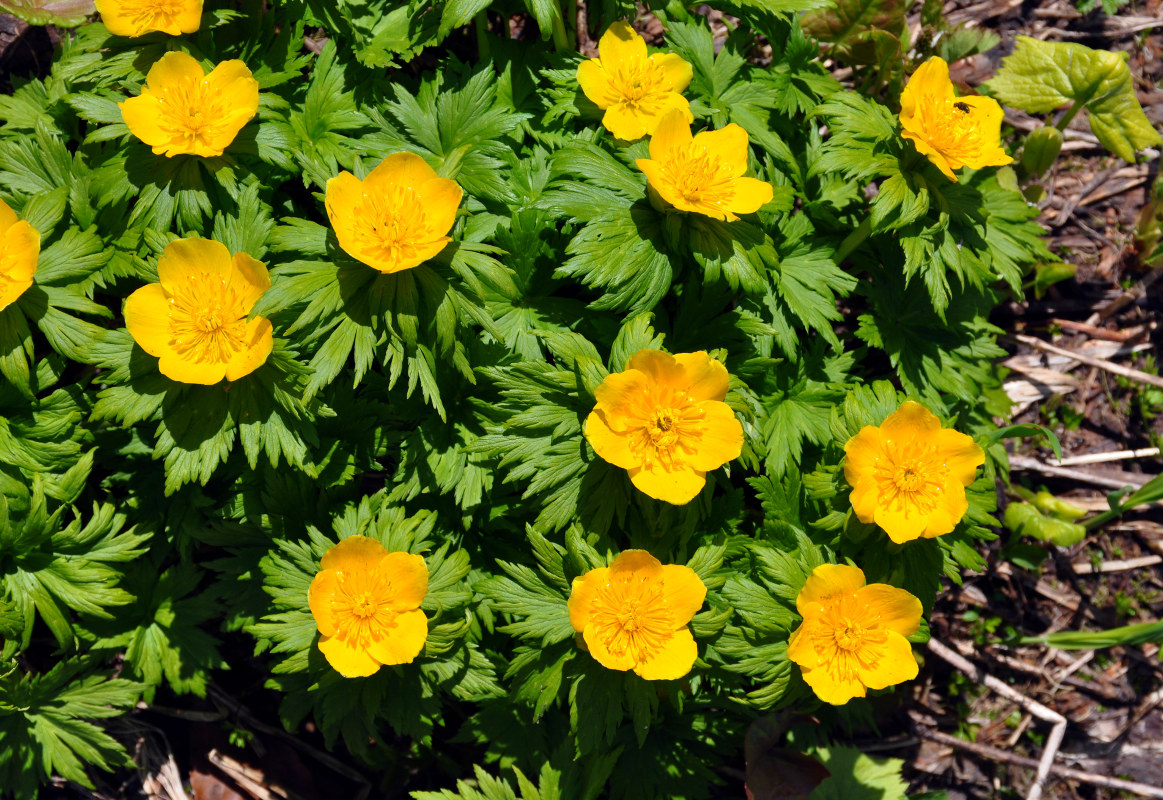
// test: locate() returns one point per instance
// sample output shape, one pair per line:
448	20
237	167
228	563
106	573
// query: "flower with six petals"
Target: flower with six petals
953	132
19	251
853	636
703	173
139	17
195	319
664	420
909	474
633	614
635	89
397	217
366	602
183	110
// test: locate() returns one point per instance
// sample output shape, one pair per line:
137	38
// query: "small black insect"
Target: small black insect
962	107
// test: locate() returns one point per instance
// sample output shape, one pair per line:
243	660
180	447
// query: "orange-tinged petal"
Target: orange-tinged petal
610	446
894	663
834	688
659	367
621	45
799	645
936	156
891	608
677	71
677	486
408	575
602	653
751	194
862	451
441	199
636	561
910	421
185	257
347	658
827	581
355	554
729	145
399	170
673	135
864	499
720	439
582	594
619	392
672	661
340	198
322	593
258	341
173	67
684	592
706	377
147	318
625	122
403	642
595	83
902	524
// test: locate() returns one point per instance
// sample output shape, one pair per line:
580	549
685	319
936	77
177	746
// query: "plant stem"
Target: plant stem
481	23
560	37
1070	114
854	240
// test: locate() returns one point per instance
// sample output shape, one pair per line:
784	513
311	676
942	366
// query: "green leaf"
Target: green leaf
61	13
1041	76
856	776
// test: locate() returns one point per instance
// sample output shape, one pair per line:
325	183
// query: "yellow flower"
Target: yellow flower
635	89
397	217
139	17
853	636
182	110
366	602
665	421
703	173
953	132
633	614
909	475
194	320
19	251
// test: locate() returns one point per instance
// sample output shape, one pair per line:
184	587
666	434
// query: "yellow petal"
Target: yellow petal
951	507
440	198
173	68
672	661
340	198
640	562
249	278
799	645
706	377
678	72
720	439
620	45
595	82
658	367
864	498
408	576
901	524
399	170
147	318
729	145
890	608
626	122
8	217
233	80
938	158
176	368
620	392
894	663
258	341
142	115
960	454
610	446
677	487
346	658
683	591
582	594
827	581
355	554
424	252
602	654
321	596
910	421
185	257
660	180
21	249
929	84
672	136
751	195
189	19
404	641
834	688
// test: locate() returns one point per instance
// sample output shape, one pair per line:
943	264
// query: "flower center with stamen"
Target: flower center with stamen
911	478
153	13
207	319
392	225
190	113
630	617
850	636
639	86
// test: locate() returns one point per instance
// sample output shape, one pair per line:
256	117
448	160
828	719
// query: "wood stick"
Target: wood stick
1032	465
1126	372
1067	773
1114	455
1087	568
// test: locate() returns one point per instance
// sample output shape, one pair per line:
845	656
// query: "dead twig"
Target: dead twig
1126	372
1057	732
1087	568
1067	773
1082	476
1113	455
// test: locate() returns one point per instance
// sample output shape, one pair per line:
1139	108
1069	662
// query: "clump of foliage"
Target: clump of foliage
439	406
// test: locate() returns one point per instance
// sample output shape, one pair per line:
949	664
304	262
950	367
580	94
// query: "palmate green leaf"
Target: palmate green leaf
328	115
620	251
1041	76
845	23
856	776
486	787
540	611
46	728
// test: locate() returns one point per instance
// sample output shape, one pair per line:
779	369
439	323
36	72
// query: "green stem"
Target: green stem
1101	519
560	37
854	240
1070	114
481	23
572	6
